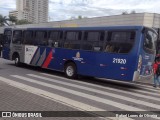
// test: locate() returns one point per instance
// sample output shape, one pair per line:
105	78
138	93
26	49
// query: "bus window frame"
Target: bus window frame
31	42
8	37
92	45
19	37
109	48
43	41
74	44
147	50
57	43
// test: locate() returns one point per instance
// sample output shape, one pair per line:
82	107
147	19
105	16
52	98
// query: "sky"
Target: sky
67	9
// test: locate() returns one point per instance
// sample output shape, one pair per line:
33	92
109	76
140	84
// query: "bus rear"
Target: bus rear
144	72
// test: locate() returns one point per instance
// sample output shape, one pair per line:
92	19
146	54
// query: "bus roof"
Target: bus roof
81	28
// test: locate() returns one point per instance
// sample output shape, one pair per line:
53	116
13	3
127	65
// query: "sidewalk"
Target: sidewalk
14	99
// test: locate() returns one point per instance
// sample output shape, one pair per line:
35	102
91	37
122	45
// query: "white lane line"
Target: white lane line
131	83
140	102
91	97
107	88
52	96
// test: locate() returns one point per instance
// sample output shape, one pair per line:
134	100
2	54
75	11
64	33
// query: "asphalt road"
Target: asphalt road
30	88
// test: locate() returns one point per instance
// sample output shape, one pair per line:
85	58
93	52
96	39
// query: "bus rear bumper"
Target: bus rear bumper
136	76
143	79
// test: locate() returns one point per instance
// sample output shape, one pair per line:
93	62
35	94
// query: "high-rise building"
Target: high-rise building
38	10
34	11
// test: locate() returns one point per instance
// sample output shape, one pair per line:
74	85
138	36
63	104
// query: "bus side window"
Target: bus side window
72	39
54	39
120	41
93	40
40	38
17	37
28	37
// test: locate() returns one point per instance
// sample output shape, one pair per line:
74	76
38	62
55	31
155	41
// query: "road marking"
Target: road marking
91	97
57	98
107	88
140	102
52	96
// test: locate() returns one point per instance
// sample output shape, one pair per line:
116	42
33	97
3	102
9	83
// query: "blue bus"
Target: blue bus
123	53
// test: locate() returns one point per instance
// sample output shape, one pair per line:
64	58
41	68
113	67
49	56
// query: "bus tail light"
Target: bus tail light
123	68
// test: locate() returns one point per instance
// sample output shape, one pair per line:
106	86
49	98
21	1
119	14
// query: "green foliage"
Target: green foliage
13	19
21	22
3	20
133	12
126	13
79	17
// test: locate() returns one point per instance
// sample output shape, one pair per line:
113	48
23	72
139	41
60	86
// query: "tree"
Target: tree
12	19
21	22
133	12
3	20
79	17
124	13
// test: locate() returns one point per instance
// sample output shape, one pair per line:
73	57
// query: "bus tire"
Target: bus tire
70	70
17	61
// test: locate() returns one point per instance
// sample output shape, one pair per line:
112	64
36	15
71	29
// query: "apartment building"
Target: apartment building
34	11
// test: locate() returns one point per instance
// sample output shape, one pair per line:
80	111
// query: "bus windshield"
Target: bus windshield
7	37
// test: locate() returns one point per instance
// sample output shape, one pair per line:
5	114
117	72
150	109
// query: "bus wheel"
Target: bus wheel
70	70
17	61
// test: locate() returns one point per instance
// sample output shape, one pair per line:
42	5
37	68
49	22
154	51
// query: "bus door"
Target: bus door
6	44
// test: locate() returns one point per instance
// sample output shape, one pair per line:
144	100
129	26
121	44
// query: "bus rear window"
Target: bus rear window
120	41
